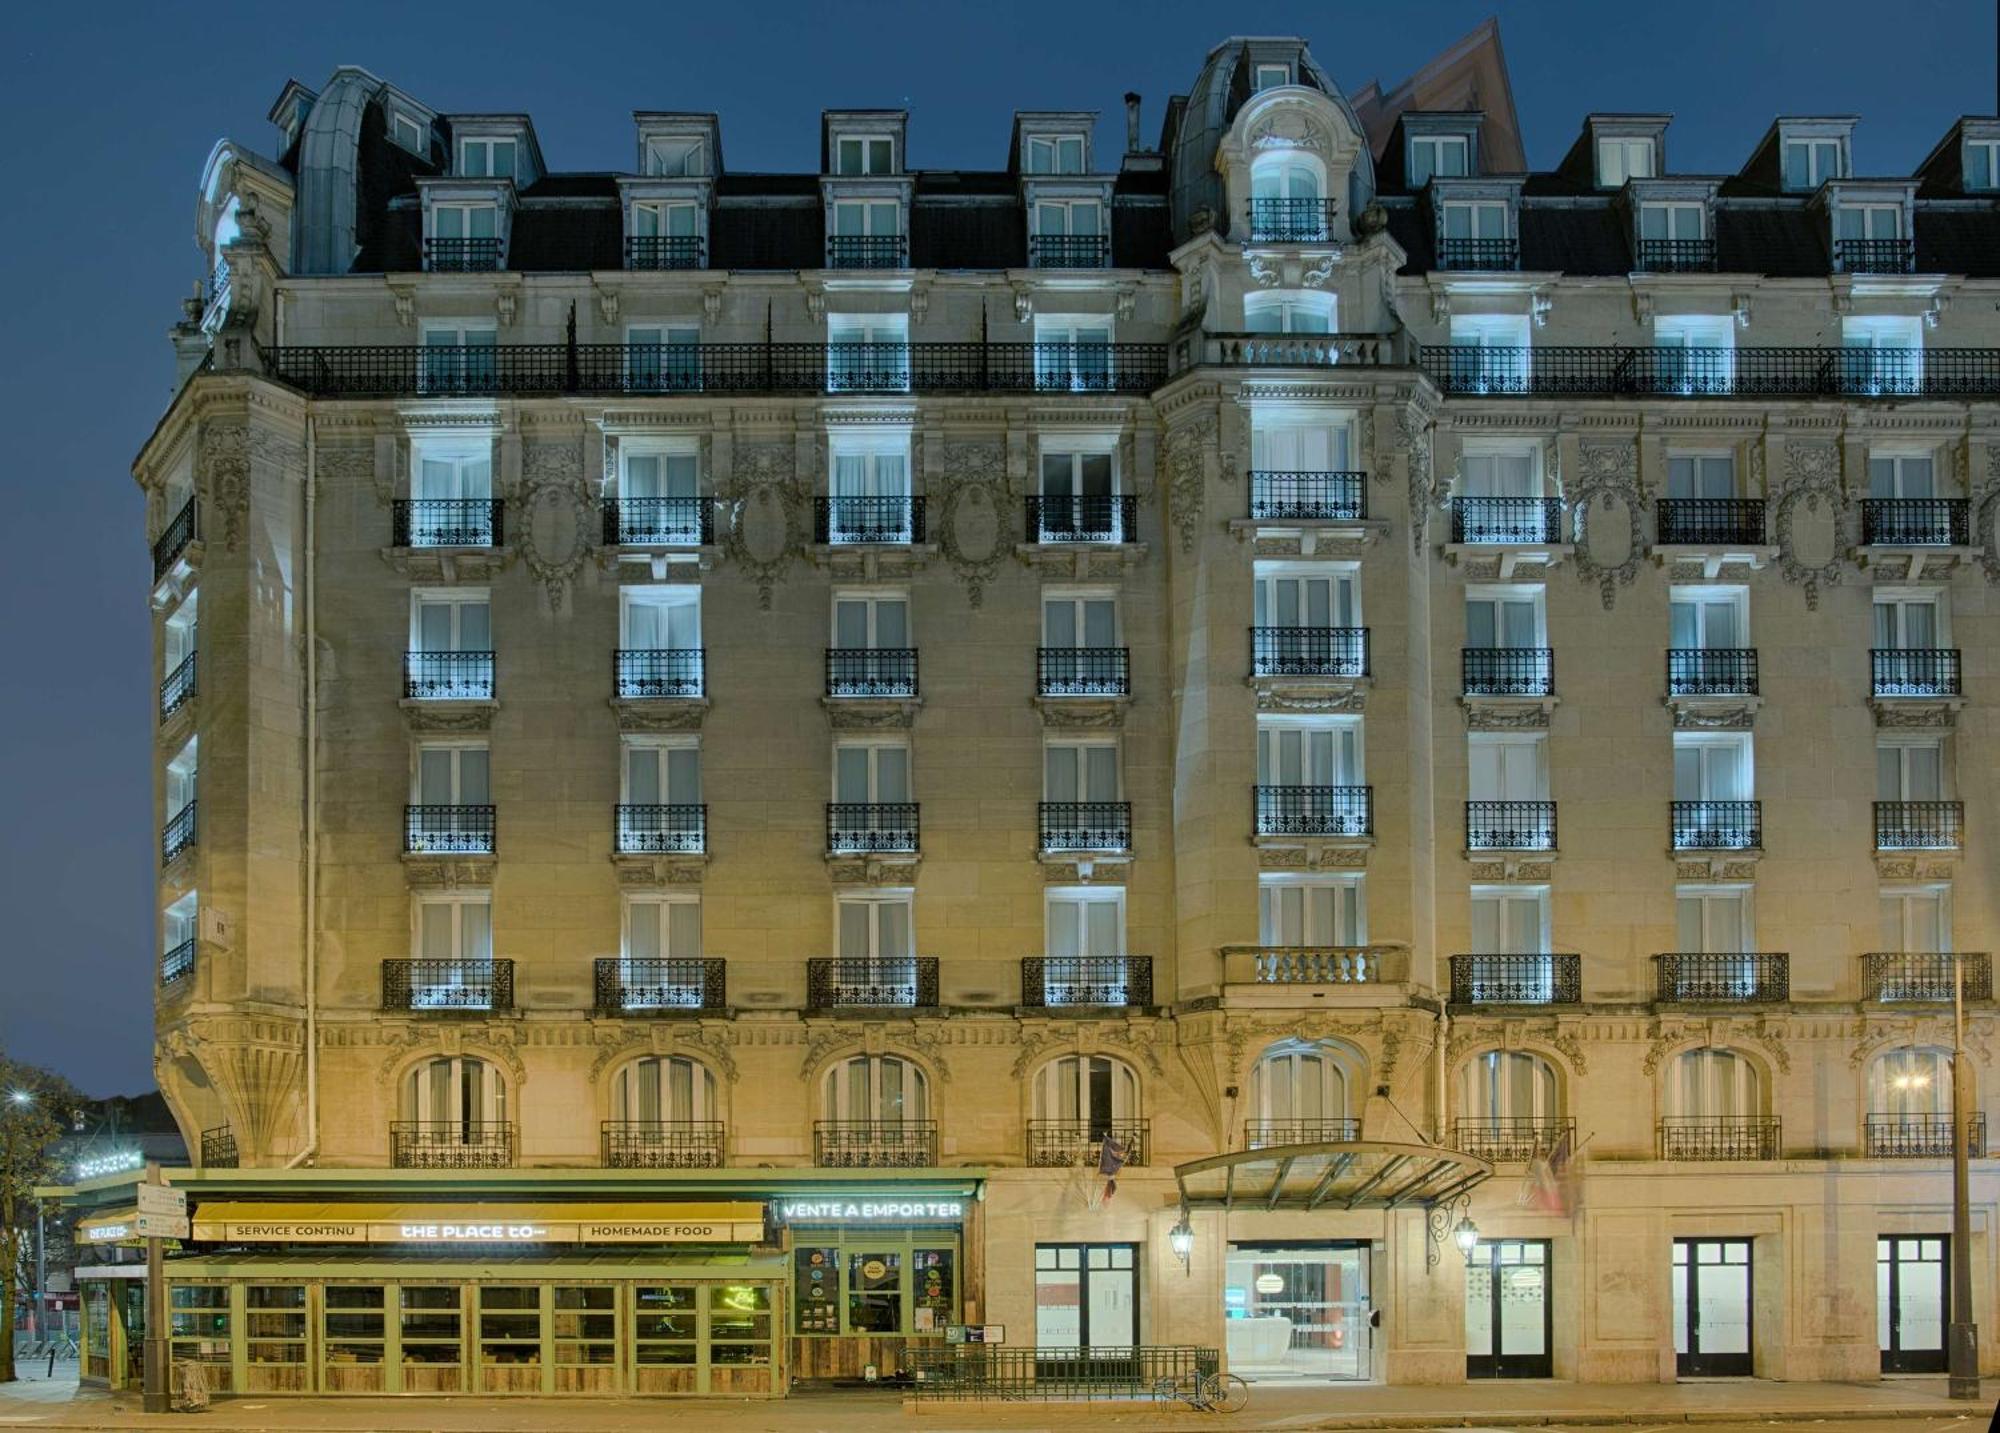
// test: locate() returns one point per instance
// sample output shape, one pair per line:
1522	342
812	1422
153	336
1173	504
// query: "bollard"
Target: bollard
52	1360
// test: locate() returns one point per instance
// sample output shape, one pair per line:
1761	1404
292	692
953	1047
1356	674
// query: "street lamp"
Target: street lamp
1180	1239
1466	1236
22	1097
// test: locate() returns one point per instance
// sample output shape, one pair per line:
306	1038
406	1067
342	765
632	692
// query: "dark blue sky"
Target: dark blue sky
110	110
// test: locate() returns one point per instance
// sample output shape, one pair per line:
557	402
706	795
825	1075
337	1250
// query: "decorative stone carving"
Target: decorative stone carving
1812	477
349	464
1414	437
1264	271
1290	127
768	514
1986	513
972	513
1186	466
1735	716
222	462
1515	716
557	516
1276	697
1607	478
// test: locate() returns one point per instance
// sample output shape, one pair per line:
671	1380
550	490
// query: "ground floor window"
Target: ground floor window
1912	1302
96	1330
889	1283
1086	1295
1507	1316
1297	1311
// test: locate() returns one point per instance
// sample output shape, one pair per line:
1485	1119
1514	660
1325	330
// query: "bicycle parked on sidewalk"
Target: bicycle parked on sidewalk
1205	1392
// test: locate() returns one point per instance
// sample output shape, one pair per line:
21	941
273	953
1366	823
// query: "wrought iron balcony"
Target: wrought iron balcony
1916	522
1508	671
448	676
1058	1144
1711	522
1263	1134
1610	371
1717	825
659	673
173	540
1307	964
875	1144
1700	978
1288	496
1921	1136
1292	221
661	1144
1315	810
1712	671
1516	979
215	288
218	1148
1925	977
666	251
462	256
659	522
443	987
1083	672
452	1144
178	834
1694	1137
1919	825
1070	981
1309	652
178	962
447	522
1914	672
860	826
677	829
178	687
1293	350
1510	825
1069	251
885	982
1085	825
1506	522
660	985
868	520
800	369
1511	1139
1478	256
1104	517
867	251
448	830
871	672
1676	256
1875	256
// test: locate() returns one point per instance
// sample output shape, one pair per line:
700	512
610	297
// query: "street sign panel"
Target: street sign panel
162	1226
160	1199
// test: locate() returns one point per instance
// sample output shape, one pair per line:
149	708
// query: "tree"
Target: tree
32	1105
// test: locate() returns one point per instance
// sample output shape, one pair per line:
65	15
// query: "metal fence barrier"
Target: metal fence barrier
975	1372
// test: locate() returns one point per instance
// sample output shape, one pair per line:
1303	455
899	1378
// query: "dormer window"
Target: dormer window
666	234
408	134
1809	163
1982	165
486	158
1069	234
864	154
1446	155
1869	239
464	238
676	159
1624	158
1673	238
1053	154
1271	77
867	234
1475	236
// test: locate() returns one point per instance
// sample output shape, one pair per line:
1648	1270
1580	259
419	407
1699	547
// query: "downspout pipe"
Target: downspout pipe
310	615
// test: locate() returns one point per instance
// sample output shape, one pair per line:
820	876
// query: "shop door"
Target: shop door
1086	1296
132	1323
1294	1311
1712	1307
1507	1317
1912	1302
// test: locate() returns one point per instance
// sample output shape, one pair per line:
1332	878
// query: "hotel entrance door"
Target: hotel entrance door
1297	1311
1712	1307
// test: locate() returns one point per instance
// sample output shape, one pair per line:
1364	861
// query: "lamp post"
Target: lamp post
1963	1339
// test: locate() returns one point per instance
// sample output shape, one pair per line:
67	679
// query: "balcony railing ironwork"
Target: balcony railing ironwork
880	982
679	828
871	672
1309	652
215	287
1083	672
1914	672
1925	977
178	687
1315	810
1717	825
1510	1139
856	826
179	833
1085	825
1516	979
445	986
1293	496
448	676
875	1144
178	962
1507	522
1508	671
1292	221
218	1148
867	251
173	539
1676	256
660	985
1875	256
448	830
1702	978
659	522
1069	251
1263	1134
1610	371
1919	825
661	1144
452	1144
1100	517
1712	671
1690	1137
1310	964
1068	981
1057	1144
1710	522
1924	1135
462	256
1916	522
447	522
868	520
666	251
1293	350
1478	255
1510	825
659	673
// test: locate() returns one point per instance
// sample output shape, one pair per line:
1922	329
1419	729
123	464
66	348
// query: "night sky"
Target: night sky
111	110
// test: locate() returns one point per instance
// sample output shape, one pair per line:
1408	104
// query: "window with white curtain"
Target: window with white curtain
661	771
869	353
1902	475
1713	920
1502	473
876	925
1465	219
1282	443
861	154
1297	1083
465	221
1909	768
450	482
180	923
1508	1085
1714	1083
1981	163
1509	766
871	621
1313	911
1672	221
660	927
1916	919
1309	751
1286	176
663	1090
1701	475
1086	922
1509	616
1910	620
649	473
454	1093
453	774
1510	920
1094	1091
1080	771
871	771
660	618
1809	163
1081	217
486	158
1489	352
454	926
1445	155
1620	159
1712	767
181	778
1868	221
1277	311
1911	1080
880	1089
870	488
450	620
1306	595
1708	617
1081	619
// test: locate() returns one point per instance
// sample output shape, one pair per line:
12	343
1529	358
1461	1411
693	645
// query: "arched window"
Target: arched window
1507	1106
1286	194
1288	311
663	1116
1080	1100
1910	1083
1298	1095
1714	1084
454	1114
877	1113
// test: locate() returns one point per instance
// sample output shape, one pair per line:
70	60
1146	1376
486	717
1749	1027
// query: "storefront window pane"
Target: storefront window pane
739	1324
931	1291
586	1325
275	1323
817	1300
874	1292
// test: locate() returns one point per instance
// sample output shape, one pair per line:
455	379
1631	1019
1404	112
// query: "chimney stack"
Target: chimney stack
1131	121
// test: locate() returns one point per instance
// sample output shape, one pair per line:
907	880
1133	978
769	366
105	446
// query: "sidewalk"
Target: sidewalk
1902	1402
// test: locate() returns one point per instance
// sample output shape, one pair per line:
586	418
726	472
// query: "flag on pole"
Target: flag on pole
1111	1157
1550	1185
